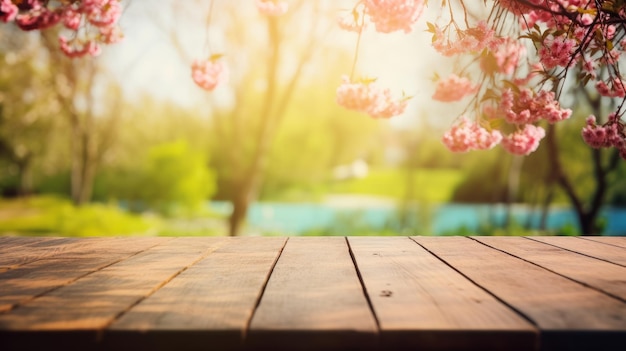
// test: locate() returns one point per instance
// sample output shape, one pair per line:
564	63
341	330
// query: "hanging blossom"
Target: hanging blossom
558	52
524	141
368	98
93	22
272	7
454	88
526	106
504	56
611	134
466	136
208	74
617	88
394	15
8	11
471	40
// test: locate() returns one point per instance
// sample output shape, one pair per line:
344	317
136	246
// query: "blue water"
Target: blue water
297	218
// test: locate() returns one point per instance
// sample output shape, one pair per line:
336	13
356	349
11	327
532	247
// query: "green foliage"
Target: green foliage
173	179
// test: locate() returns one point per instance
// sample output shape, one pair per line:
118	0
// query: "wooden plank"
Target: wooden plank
313	300
32	249
570	315
15	241
601	275
24	283
421	303
610	240
210	303
610	253
78	313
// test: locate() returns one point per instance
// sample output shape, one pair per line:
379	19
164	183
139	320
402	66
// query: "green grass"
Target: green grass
49	215
429	185
55	216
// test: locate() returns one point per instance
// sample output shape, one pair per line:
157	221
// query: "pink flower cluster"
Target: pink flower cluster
208	74
393	15
454	88
368	98
524	141
466	135
612	134
98	17
505	55
525	107
471	40
272	7
8	11
617	88
558	51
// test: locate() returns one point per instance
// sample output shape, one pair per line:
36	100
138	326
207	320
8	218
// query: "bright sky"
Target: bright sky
146	62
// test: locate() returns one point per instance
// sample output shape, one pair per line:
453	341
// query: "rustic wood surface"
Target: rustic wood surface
324	293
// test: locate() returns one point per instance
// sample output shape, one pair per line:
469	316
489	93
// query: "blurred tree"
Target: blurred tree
92	115
245	132
587	200
27	108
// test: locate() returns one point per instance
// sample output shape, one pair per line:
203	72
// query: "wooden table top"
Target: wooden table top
313	293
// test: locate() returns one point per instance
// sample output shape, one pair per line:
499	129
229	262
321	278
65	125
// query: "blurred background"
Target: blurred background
126	144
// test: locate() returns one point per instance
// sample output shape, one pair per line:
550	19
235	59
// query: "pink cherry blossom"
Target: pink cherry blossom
594	135
558	52
611	134
8	11
37	19
523	141
74	48
208	74
272	7
471	40
394	15
506	54
466	135
526	107
454	88
71	18
367	97
102	13
616	89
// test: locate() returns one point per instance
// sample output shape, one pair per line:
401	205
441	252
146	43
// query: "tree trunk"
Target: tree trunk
24	167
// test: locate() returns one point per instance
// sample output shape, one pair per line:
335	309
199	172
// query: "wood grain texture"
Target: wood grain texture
210	303
599	274
610	240
313	300
610	253
34	249
553	302
421	303
21	284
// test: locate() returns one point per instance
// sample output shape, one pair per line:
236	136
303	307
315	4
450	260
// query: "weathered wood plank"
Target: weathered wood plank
210	303
610	240
591	248
421	303
556	304
313	300
25	250
601	275
90	304
21	284
16	241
